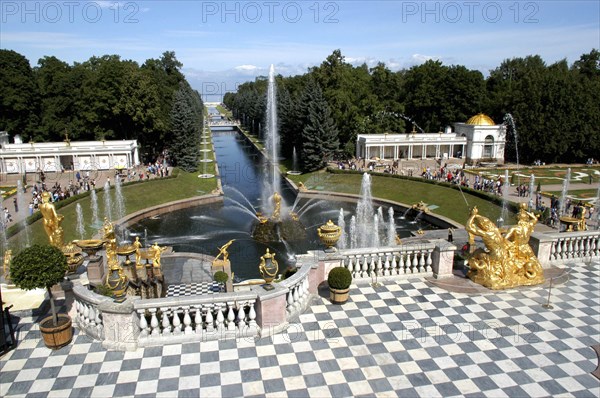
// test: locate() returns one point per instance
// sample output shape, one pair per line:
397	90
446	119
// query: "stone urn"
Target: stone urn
329	233
74	257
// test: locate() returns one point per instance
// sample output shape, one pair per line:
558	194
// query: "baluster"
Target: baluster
570	249
365	267
99	326
561	249
86	314
296	296
290	300
241	317
166	323
92	316
429	261
386	265
176	322
143	324
350	265
210	323
402	267
230	317
220	322
252	316
357	267
553	251
187	321
586	247
198	320
595	244
577	248
379	265
421	262
394	265
154	323
372	266
409	263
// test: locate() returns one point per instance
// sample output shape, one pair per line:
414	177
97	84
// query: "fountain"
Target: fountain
505	192
107	201
353	235
273	180
510	122
295	164
80	225
94	207
119	199
342	224
23	206
365	213
531	192
391	230
563	196
205	160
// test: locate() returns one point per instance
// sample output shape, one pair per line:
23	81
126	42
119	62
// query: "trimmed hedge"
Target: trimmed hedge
339	278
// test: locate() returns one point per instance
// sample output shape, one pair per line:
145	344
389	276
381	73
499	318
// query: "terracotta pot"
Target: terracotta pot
338	296
58	336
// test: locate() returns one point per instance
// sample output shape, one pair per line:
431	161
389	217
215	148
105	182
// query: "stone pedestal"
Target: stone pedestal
271	315
121	325
443	258
225	266
95	270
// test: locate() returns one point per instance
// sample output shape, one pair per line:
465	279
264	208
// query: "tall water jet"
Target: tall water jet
353	237
341	244
295	164
375	242
509	121
531	191
80	225
23	207
94	206
119	199
272	140
391	229
565	191
107	201
364	213
505	190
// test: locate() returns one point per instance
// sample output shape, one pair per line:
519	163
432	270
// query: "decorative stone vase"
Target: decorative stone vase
58	336
74	257
268	267
329	233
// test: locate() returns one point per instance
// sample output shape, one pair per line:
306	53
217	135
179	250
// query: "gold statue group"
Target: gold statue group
508	261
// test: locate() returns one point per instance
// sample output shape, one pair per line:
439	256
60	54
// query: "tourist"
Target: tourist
7	216
16	204
31	208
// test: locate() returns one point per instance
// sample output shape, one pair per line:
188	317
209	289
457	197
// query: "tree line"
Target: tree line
555	107
103	98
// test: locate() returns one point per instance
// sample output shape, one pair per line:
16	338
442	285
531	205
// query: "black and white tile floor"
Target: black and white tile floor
405	339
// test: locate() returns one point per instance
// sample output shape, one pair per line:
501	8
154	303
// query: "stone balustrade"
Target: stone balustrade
562	247
298	295
174	320
88	315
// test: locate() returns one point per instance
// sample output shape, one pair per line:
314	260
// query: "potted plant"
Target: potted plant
221	278
339	281
43	266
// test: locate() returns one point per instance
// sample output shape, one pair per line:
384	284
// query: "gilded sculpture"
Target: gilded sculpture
508	260
157	252
223	251
276	207
52	221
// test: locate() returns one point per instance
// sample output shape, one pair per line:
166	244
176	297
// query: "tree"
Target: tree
37	267
185	127
320	134
18	94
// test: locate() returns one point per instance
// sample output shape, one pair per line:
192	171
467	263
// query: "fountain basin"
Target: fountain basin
294	173
206	176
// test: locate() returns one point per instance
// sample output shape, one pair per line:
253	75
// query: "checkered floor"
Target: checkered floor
402	339
192	289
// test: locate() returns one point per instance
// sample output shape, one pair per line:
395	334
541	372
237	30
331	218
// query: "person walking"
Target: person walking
16	204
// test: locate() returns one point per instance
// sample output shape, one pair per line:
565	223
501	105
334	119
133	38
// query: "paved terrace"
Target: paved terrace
406	338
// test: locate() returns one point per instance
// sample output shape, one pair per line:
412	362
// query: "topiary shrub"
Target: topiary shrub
339	278
221	277
37	267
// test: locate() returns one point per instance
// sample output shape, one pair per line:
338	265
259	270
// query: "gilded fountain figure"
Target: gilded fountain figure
507	260
52	221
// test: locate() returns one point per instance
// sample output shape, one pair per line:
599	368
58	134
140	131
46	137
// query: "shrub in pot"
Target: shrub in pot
221	278
339	281
43	266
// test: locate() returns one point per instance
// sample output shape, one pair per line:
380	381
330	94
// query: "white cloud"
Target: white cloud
246	68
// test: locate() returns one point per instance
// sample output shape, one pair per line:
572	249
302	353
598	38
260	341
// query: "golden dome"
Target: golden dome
481	120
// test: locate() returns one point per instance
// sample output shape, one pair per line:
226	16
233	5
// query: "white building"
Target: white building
476	140
56	156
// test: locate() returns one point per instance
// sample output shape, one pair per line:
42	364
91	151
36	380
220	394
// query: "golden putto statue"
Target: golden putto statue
508	260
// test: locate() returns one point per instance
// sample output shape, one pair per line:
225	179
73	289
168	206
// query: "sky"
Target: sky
225	43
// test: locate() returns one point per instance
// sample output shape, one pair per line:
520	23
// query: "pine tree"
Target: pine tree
186	130
320	135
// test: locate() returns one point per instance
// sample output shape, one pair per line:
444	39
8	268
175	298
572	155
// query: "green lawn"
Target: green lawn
544	175
224	111
137	197
578	194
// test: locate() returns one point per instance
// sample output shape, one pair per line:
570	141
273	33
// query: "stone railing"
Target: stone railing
298	295
427	258
88	314
562	247
196	318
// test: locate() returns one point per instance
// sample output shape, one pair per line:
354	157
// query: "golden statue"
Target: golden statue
508	260
110	243
138	253
276	207
581	225
157	251
223	251
52	221
6	264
